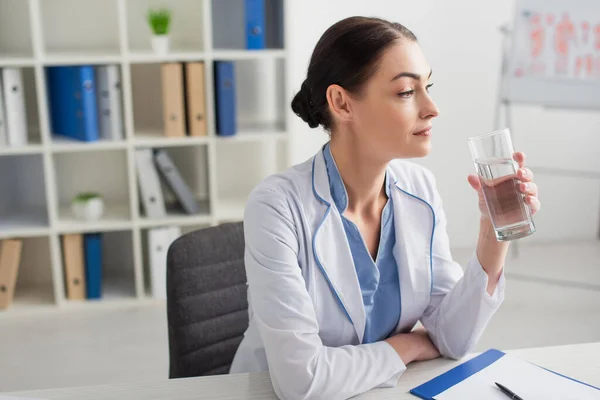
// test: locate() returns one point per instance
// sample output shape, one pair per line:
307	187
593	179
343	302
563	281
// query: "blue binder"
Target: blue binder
255	24
225	98
440	384
72	98
92	243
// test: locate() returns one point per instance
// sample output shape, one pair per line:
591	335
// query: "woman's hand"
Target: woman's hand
526	186
491	253
428	349
414	346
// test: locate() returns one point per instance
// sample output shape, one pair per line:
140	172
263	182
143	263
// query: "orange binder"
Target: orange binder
195	99
173	102
10	256
74	266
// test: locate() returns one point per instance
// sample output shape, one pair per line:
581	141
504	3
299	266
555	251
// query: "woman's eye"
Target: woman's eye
406	94
428	86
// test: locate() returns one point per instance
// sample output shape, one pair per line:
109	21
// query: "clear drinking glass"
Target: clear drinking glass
493	157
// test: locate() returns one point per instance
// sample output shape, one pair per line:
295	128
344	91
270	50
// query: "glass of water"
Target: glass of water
493	157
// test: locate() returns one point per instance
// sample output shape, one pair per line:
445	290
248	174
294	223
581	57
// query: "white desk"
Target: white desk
578	361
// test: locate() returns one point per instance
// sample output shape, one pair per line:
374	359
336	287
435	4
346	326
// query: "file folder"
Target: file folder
72	99
476	379
255	24
173	101
109	102
159	241
195	99
10	257
93	265
151	195
3	136
225	98
173	178
74	266
14	103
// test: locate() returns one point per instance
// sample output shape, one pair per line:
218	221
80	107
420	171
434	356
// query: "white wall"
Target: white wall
464	53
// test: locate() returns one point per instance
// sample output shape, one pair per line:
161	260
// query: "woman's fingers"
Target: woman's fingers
474	182
519	157
529	188
525	174
533	203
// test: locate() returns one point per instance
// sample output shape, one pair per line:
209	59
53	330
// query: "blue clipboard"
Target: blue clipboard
441	383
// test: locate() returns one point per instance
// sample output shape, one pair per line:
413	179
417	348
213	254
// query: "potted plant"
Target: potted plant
160	21
87	206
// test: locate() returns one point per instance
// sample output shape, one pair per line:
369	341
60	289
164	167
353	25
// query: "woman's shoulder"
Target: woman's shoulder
279	188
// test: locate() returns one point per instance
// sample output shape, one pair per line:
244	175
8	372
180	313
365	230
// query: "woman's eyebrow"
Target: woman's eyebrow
412	75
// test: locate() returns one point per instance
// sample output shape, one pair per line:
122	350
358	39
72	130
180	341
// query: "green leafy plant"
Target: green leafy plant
83	197
159	20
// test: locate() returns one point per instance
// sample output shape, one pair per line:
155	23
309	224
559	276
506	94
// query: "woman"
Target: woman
346	252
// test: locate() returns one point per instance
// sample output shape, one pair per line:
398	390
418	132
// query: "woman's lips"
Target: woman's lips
423	132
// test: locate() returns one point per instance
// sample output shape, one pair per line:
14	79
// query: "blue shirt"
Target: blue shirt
378	278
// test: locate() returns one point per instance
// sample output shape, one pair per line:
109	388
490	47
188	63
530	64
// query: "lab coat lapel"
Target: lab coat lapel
414	225
332	252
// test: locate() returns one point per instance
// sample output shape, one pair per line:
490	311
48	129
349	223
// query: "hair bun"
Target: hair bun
303	106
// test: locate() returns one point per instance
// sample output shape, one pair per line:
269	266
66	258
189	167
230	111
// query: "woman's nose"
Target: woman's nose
430	110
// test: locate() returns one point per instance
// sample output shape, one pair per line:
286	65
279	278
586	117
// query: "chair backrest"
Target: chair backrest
207	307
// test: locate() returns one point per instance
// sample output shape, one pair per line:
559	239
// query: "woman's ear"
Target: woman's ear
339	103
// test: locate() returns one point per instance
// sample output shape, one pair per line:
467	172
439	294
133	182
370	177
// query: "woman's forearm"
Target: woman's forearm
491	253
413	346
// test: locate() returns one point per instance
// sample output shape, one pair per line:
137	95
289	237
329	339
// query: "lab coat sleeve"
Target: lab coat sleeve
300	366
460	306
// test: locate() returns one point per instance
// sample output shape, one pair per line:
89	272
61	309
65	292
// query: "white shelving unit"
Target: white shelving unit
37	181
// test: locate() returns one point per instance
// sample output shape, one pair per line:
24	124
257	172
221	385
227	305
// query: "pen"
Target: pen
508	392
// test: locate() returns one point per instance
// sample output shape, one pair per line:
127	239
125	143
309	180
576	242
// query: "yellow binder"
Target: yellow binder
10	256
74	266
195	97
173	102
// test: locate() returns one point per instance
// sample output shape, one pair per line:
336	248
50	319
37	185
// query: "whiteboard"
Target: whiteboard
554	56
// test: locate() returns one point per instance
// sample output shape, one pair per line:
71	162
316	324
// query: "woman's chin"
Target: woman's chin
421	150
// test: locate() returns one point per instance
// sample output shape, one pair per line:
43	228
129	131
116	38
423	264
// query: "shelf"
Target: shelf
238	55
115	218
30	299
23	207
26	224
62	144
140	57
33	287
15	34
82	58
39	180
186	32
103	172
158	139
16	60
20	150
230	210
112	301
70	28
179	218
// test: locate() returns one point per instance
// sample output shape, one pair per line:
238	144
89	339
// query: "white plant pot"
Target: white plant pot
160	44
89	210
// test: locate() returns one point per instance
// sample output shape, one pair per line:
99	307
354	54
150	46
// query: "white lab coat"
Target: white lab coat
307	317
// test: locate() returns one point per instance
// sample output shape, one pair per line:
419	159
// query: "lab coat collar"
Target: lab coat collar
335	258
414	224
336	184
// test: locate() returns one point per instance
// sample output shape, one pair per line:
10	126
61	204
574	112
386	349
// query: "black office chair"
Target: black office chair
207	307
